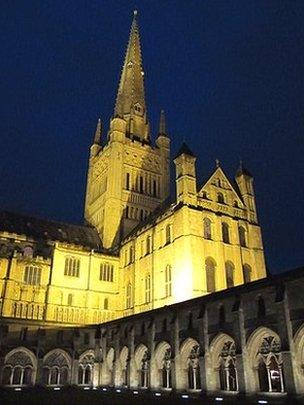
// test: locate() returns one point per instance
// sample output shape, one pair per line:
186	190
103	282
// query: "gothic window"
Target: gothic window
247	273
72	266
18	369
129	296
106	303
127	212
225	233
128	181
229	269
168	234
141	215
168	281
242	236
131	254
32	275
55	369
227	371
70	299
270	368
144	370
147	289
106	272
207	228
220	198
154	188
210	275
166	370
85	369
261	308
194	369
148	245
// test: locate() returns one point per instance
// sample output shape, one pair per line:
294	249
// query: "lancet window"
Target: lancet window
194	380
32	275
167	370
72	266
18	369
55	369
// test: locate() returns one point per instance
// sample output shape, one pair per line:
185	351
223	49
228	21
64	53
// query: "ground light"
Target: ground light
185	396
219	399
262	401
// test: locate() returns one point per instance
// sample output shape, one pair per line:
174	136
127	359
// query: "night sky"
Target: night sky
229	75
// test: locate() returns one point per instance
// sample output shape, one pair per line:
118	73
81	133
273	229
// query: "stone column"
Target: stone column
239	366
288	375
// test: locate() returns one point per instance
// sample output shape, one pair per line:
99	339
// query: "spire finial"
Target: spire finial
98	132
135	13
162	123
217	163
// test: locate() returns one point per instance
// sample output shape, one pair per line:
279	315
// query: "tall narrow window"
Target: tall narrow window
128	181
131	254
147	289
168	281
225	233
148	245
141	184
229	268
242	236
210	275
220	198
70	299
72	267
207	228
127	212
106	272
32	275
168	234
129	296
106	303
247	273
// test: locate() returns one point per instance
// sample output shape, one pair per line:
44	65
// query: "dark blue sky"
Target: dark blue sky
229	75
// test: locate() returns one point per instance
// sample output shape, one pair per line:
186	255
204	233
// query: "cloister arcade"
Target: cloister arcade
225	342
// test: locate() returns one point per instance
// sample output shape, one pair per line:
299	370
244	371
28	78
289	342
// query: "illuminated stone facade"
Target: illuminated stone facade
139	250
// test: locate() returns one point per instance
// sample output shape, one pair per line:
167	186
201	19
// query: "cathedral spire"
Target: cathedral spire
130	101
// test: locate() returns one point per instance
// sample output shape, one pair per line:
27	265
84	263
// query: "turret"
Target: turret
185	176
244	181
95	148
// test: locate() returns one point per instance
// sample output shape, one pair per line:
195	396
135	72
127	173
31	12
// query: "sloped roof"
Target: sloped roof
43	229
184	149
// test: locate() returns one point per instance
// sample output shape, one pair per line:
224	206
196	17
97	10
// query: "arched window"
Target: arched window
270	367
85	369
144	370
72	266
220	198
154	188
168	234
225	233
129	296
242	236
106	303
148	245
207	228
229	269
147	289
18	369
168	281
55	369
128	181
70	300
247	273
261	308
227	371
166	370
194	380
210	275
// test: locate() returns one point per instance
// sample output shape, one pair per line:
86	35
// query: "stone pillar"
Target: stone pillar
239	366
288	375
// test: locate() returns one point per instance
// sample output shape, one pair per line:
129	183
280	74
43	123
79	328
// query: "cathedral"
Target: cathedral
153	291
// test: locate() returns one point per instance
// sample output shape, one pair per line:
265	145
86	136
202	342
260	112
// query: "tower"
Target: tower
244	180
185	176
128	177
